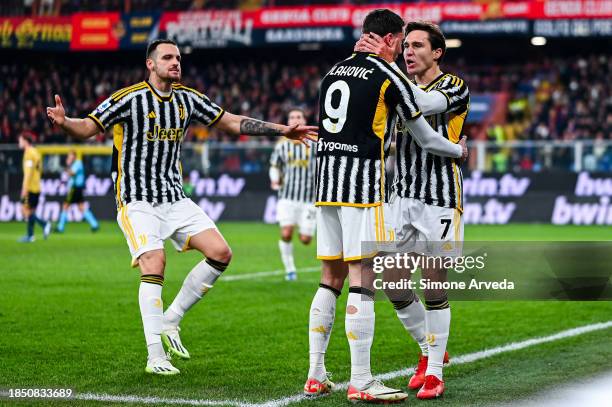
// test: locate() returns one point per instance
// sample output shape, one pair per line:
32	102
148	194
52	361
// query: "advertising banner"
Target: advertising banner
560	199
53	33
140	28
337	24
96	31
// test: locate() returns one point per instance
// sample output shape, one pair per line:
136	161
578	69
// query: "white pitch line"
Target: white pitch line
459	360
251	276
456	360
156	400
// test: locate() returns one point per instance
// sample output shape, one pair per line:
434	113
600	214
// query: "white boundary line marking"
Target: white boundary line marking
468	358
252	276
458	360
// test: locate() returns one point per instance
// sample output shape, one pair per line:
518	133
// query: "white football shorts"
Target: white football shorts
302	214
146	226
412	220
350	233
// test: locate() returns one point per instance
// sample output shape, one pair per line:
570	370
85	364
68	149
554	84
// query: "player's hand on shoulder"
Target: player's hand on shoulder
463	144
57	114
301	133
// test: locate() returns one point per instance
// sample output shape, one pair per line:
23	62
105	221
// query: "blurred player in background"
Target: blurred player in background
30	188
429	191
149	121
76	185
360	98
292	174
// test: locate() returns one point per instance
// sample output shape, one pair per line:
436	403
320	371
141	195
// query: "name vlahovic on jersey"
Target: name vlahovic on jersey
297	164
148	130
430	178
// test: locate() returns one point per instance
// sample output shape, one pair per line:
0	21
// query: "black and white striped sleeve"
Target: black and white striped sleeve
398	94
456	92
111	111
204	110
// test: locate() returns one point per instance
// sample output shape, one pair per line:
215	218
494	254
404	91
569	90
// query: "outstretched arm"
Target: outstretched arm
235	124
78	128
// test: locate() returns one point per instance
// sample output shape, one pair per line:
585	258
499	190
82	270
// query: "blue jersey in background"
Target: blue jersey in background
77	179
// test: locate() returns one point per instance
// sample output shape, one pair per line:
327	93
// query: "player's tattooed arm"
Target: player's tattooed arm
254	127
235	124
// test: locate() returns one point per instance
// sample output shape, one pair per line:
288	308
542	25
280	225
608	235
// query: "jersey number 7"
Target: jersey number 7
446	223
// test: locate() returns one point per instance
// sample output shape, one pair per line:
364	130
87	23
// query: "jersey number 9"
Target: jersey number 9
338	114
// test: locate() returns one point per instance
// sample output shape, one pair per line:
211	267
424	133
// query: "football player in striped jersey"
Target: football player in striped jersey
428	188
292	173
149	122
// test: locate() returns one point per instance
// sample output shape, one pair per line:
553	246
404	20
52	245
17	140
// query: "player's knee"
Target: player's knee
333	273
222	255
286	235
153	262
305	239
333	280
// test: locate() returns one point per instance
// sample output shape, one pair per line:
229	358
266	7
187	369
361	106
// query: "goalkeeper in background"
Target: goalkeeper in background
76	185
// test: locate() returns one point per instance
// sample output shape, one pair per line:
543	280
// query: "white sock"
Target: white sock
438	327
286	250
197	283
413	319
322	314
151	310
360	333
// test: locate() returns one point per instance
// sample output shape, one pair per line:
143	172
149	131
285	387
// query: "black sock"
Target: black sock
38	220
31	221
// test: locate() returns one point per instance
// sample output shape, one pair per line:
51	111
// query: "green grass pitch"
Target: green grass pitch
69	316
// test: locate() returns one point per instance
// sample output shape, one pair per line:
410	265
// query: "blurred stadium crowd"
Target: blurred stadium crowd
559	99
549	97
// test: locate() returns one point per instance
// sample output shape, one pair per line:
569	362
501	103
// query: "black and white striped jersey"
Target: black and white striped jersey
297	165
359	101
430	178
148	131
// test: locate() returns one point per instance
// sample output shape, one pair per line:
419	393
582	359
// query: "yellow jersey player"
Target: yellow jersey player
30	188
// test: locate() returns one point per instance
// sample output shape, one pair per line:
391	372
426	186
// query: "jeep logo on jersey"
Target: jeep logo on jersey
159	134
331	146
